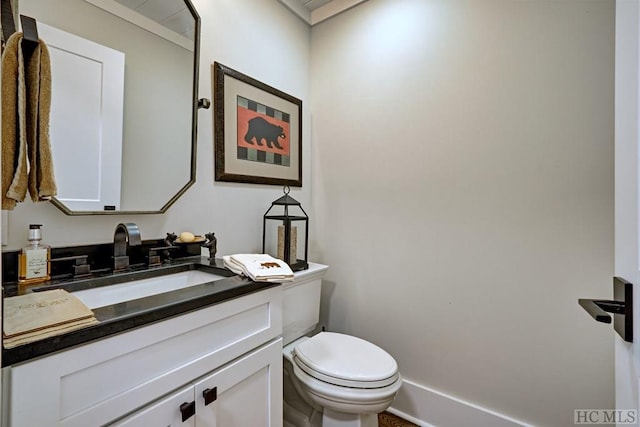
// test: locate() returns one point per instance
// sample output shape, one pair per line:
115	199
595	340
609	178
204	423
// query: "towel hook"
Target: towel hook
29	29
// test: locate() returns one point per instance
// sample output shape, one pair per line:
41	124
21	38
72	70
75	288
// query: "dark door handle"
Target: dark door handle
598	309
210	395
188	410
621	307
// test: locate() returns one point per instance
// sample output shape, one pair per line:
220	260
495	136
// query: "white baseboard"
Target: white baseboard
430	408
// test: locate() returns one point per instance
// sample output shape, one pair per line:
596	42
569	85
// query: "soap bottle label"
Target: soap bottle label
34	265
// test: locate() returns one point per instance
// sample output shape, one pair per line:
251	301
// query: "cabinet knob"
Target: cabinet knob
187	409
210	395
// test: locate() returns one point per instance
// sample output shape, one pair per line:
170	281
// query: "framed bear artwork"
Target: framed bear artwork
258	131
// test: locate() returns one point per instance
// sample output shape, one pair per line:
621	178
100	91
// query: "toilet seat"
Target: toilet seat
346	361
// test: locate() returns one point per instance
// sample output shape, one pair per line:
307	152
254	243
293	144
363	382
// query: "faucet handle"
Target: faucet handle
80	266
154	259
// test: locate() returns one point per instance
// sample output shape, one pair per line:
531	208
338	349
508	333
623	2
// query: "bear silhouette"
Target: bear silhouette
270	264
261	129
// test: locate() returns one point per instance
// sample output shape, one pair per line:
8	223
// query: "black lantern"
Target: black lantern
282	233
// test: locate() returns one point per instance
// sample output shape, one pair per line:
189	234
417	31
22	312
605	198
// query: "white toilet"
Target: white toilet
330	379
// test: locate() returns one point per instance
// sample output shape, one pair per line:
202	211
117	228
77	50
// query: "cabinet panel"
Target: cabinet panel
85	388
165	412
244	393
249	391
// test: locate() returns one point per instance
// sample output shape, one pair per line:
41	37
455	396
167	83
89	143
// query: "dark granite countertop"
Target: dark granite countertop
131	314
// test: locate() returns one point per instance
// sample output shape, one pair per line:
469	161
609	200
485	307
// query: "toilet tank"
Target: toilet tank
301	302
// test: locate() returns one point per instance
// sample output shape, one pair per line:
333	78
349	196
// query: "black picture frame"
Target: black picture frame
257	131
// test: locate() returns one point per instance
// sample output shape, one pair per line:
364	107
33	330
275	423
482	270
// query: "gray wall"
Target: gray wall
463	192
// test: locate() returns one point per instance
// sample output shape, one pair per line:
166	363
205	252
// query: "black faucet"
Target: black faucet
126	235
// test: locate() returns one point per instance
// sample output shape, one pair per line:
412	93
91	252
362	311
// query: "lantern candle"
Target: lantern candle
293	243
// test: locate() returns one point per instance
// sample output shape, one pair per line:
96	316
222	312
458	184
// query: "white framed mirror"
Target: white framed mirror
124	101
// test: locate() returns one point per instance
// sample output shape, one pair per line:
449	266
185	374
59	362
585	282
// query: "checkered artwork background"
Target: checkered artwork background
262	154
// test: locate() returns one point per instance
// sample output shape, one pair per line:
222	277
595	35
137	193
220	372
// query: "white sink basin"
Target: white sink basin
113	294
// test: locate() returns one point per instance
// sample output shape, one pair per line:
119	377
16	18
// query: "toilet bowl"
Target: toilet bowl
330	379
344	381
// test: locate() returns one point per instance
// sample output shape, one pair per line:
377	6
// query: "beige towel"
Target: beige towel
42	185
41	314
14	155
26	108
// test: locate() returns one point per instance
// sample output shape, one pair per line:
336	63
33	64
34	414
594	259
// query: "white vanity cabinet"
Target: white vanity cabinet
242	393
230	352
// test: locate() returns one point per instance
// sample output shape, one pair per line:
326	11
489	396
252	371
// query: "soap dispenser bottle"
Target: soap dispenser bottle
34	260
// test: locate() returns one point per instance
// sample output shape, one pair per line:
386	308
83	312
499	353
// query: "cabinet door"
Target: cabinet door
168	411
246	392
88	92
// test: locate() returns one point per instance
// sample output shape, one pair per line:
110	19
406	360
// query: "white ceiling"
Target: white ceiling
314	4
171	14
175	16
316	11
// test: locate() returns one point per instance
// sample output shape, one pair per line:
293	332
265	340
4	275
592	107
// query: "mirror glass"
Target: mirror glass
124	101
